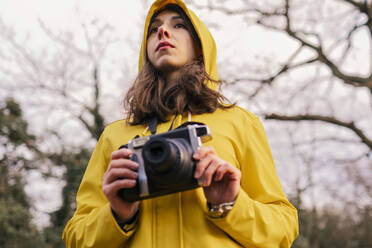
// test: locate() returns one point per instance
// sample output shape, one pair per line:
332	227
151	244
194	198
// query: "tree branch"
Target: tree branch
286	67
327	119
350	79
359	5
228	11
323	58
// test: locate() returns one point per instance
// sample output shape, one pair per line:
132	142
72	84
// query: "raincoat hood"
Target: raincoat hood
207	42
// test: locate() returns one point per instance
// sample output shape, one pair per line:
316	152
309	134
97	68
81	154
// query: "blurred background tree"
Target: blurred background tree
17	154
307	71
315	88
65	97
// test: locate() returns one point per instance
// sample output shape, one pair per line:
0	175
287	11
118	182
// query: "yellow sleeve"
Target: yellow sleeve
261	216
93	224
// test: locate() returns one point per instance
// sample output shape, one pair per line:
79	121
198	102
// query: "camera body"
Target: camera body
165	162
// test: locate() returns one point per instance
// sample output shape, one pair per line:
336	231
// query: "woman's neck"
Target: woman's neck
171	78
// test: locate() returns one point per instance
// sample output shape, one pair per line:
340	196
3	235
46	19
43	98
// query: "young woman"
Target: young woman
241	203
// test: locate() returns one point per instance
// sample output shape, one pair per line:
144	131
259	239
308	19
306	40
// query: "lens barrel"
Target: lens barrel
160	154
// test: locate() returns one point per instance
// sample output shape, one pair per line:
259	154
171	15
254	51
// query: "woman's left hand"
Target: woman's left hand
221	180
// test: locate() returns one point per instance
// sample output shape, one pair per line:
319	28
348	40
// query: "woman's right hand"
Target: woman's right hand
121	173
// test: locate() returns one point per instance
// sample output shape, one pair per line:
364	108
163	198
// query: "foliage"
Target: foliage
330	228
16	226
75	163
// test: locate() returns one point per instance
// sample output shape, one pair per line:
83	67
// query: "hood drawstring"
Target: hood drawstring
180	218
145	131
180	202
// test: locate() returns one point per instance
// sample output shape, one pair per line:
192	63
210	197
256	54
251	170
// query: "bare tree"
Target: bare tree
65	81
326	36
318	97
66	75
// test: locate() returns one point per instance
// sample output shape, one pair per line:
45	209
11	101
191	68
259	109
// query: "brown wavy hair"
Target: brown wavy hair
149	96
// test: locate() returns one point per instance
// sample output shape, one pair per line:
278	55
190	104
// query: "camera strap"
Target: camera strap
152	123
188	123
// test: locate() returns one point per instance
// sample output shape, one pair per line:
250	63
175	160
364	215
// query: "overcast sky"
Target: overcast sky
126	16
63	13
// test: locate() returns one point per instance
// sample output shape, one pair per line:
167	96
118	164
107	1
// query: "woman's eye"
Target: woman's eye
180	25
153	30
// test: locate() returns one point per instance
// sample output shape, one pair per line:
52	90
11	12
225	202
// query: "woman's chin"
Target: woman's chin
168	66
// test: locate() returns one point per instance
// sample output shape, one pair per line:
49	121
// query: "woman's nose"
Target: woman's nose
163	33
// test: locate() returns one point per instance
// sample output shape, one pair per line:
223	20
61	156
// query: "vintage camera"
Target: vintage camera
165	162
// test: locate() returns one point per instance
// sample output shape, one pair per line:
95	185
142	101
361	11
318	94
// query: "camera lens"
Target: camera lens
160	155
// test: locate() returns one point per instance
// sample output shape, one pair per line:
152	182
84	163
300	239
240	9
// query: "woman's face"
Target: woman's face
169	42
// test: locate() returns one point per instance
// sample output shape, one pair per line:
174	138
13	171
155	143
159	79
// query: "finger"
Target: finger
123	163
203	151
122	153
220	173
228	170
120	173
202	165
123	184
112	189
210	172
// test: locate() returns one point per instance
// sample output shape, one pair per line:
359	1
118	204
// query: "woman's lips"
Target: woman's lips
163	46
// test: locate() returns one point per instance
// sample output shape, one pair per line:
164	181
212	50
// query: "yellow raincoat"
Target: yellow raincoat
261	216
